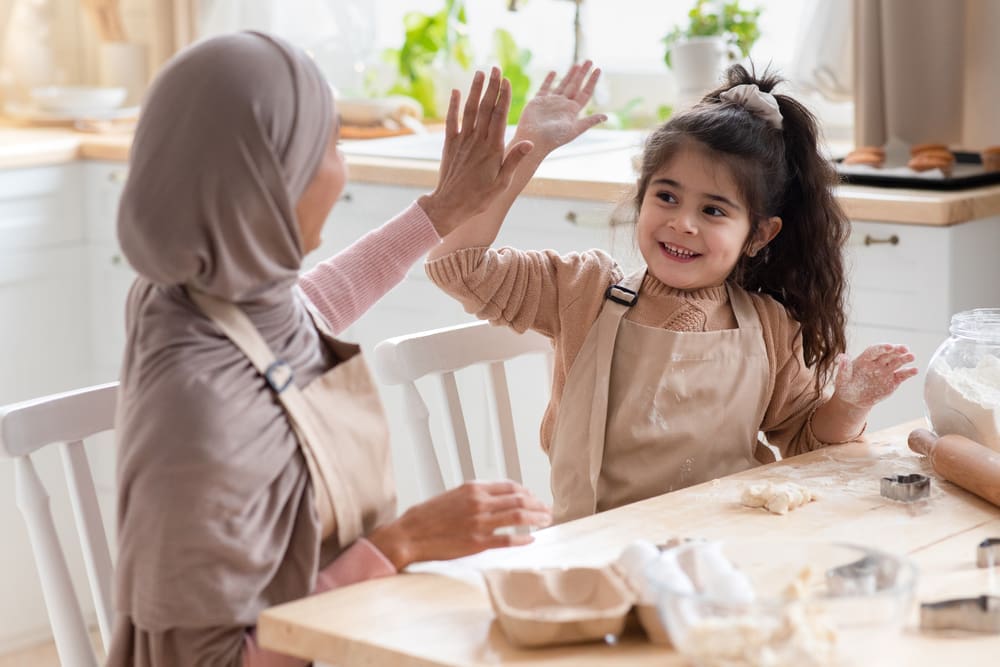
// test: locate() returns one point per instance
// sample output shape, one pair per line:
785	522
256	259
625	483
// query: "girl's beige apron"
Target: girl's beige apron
674	409
338	420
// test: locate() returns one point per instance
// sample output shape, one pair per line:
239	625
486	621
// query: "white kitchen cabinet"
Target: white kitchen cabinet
46	338
906	281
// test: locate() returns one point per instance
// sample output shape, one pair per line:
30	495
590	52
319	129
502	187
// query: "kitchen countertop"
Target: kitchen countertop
601	177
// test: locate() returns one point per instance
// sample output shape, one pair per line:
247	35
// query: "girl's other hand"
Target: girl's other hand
474	167
873	376
550	119
461	522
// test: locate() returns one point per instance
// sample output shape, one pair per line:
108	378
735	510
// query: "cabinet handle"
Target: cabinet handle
872	240
116	176
116	260
347	196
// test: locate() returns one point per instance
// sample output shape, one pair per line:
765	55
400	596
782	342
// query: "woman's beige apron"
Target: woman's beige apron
673	410
338	421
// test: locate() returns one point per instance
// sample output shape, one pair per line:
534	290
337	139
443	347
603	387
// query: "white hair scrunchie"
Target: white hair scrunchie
756	101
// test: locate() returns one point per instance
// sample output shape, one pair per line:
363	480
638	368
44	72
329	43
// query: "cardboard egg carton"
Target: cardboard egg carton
549	606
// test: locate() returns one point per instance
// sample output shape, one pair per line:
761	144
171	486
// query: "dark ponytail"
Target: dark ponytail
780	172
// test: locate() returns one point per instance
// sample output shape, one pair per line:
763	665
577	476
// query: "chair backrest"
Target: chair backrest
64	420
441	352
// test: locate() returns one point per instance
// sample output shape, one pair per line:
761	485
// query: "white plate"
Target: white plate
78	99
31	112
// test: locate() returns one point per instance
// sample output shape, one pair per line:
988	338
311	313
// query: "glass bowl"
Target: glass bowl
756	602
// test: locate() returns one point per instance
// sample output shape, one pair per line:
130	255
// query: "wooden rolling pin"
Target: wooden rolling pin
974	467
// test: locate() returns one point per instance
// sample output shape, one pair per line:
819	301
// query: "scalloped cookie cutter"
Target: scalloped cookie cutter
906	488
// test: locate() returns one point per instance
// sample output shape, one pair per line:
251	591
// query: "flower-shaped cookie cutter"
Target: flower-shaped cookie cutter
906	488
979	614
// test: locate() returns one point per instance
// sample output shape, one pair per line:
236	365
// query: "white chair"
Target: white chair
65	420
441	352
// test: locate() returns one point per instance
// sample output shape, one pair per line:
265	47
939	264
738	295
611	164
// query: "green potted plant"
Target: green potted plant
737	25
435	53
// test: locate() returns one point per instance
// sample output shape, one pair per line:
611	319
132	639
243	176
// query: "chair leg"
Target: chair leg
69	629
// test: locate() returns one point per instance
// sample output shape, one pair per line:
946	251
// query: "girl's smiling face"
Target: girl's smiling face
693	224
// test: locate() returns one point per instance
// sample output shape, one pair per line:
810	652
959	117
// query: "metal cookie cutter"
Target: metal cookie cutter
906	488
981	614
866	575
988	553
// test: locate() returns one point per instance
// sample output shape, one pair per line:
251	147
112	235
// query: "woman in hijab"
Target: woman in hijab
254	467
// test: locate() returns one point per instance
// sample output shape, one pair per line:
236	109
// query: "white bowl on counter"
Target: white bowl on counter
78	99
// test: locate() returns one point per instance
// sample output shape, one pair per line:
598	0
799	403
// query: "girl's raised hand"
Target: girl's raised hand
873	376
474	167
551	118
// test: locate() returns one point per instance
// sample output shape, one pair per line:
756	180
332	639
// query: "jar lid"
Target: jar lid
982	324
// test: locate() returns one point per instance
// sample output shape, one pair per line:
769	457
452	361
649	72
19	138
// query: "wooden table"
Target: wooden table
428	618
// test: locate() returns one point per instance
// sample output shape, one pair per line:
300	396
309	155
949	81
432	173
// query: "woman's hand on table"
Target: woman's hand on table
461	522
551	119
475	168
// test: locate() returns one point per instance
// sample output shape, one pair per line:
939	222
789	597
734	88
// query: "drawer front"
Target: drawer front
899	275
103	185
40	207
571	225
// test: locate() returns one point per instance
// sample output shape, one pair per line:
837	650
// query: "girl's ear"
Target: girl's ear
766	231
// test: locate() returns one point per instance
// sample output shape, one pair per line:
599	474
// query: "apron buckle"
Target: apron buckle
622	295
279	375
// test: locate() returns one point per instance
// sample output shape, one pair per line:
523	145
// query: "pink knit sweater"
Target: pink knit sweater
343	288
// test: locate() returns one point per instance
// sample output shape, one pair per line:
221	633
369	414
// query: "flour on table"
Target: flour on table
776	498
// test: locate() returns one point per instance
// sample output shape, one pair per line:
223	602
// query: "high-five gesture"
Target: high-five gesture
551	119
474	169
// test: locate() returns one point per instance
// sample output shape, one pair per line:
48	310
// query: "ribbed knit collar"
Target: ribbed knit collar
652	286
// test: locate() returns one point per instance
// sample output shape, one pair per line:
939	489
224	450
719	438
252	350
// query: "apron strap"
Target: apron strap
618	299
279	375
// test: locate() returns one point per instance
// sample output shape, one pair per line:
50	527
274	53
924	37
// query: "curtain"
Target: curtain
927	71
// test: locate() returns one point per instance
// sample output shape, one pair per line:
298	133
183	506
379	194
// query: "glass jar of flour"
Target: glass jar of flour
962	388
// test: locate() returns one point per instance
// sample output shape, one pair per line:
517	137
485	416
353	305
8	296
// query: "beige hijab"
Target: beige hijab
215	516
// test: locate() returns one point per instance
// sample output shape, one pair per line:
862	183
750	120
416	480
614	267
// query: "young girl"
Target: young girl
665	377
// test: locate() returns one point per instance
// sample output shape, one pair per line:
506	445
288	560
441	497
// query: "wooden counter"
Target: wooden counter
597	177
424	619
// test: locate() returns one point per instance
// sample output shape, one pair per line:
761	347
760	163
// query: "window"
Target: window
621	36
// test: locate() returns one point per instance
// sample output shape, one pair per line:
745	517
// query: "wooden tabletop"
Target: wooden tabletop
442	617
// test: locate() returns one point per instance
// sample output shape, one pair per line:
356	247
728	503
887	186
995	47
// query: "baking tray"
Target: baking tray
968	173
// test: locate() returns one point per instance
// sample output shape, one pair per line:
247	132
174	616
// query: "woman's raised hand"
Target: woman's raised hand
551	119
461	522
475	168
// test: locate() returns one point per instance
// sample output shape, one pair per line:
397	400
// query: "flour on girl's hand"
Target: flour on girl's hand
777	498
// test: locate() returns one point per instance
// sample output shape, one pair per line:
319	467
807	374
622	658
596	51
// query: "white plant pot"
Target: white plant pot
698	64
